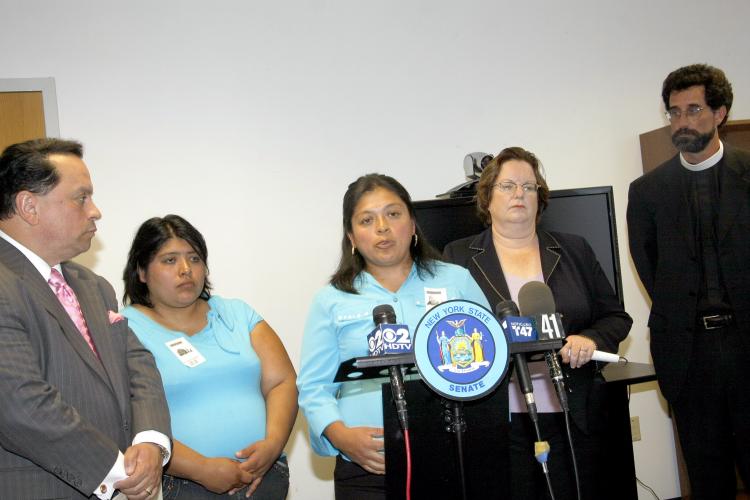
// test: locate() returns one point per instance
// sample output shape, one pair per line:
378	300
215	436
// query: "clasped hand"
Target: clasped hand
144	468
221	475
257	459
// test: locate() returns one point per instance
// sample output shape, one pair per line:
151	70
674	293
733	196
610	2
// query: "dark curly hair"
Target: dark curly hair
492	171
714	81
350	265
150	237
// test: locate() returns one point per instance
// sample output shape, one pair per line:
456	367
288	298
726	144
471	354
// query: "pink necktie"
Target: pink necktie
68	299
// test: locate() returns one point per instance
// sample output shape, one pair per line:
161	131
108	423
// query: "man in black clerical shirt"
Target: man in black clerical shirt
689	231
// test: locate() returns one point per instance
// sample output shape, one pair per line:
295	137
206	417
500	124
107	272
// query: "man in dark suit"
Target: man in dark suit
83	412
689	227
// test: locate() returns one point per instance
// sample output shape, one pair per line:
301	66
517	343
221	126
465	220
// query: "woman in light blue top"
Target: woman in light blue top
228	379
385	260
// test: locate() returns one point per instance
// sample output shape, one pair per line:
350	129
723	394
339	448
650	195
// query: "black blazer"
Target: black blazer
583	296
662	245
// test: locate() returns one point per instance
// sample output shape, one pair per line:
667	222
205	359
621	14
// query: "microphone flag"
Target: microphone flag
389	338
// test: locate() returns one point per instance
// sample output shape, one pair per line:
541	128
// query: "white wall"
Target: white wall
250	119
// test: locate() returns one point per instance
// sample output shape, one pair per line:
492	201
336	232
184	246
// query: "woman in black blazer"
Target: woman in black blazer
511	195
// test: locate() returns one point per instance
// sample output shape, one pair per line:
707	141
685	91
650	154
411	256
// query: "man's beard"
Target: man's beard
691	141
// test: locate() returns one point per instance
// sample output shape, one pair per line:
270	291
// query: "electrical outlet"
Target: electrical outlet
635	428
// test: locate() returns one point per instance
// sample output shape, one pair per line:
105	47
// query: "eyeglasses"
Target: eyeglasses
508	187
676	113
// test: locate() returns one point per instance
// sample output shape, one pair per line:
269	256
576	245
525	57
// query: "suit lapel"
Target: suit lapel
549	252
42	292
675	199
95	313
39	288
734	188
488	264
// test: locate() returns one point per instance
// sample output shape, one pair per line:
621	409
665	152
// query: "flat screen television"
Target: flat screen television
588	212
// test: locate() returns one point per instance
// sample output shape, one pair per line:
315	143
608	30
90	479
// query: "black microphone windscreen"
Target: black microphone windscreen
536	298
384	313
506	308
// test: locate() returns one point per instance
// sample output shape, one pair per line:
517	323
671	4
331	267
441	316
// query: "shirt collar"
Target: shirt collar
44	269
705	164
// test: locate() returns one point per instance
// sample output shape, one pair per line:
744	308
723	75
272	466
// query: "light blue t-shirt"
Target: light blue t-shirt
336	330
217	407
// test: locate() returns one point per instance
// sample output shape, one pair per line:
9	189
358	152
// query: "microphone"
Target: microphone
535	298
502	311
388	337
384	315
507	313
608	357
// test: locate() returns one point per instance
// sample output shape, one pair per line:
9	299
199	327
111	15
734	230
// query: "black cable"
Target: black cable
650	490
455	424
556	375
572	454
545	469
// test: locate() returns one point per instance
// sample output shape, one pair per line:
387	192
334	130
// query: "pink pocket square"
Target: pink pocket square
115	317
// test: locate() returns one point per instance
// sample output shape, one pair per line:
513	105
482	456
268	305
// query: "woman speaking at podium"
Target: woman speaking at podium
384	260
511	195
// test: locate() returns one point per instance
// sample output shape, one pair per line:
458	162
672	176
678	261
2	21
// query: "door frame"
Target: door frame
49	98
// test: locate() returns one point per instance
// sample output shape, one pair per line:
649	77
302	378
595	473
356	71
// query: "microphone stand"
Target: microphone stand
541	448
453	414
368	367
453	411
556	375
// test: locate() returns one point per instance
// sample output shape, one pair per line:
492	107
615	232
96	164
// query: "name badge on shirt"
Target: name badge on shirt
185	352
434	297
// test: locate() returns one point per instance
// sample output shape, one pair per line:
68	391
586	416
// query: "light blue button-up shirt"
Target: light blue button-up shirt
336	330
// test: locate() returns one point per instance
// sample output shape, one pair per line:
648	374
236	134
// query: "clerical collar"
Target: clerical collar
705	164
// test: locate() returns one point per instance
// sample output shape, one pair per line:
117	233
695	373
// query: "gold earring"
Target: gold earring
354	249
416	240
